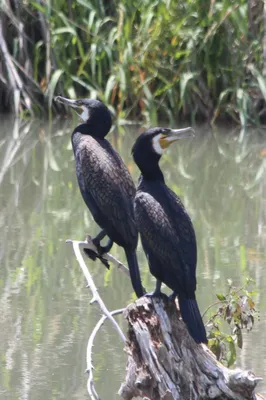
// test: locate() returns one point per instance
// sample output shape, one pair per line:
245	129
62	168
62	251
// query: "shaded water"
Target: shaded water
45	316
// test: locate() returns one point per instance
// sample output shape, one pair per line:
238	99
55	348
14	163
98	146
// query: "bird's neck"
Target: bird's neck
152	173
89	129
80	135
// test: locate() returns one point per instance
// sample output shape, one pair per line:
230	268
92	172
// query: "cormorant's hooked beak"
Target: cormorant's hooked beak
84	115
68	102
175	134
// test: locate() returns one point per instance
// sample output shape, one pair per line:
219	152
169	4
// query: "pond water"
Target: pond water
45	315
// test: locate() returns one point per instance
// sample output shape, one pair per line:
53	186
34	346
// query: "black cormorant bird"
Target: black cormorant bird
105	182
166	231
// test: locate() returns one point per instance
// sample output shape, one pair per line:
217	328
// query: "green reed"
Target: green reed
147	60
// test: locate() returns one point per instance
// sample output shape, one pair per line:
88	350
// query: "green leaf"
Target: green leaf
220	297
86	4
82	83
184	80
232	352
223	95
122	77
66	29
91	19
38	7
52	85
260	79
109	87
93	58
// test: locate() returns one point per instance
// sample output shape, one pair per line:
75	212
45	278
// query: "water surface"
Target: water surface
45	316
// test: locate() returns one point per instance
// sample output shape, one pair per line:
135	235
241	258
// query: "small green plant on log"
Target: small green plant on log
237	309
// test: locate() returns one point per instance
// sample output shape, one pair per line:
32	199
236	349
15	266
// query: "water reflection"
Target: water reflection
45	317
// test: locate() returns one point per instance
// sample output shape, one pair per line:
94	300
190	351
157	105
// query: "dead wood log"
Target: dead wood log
164	362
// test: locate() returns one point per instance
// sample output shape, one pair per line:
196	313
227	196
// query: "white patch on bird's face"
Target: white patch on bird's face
85	114
156	145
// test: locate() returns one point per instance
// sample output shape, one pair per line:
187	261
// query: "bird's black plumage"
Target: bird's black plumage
166	231
105	183
106	187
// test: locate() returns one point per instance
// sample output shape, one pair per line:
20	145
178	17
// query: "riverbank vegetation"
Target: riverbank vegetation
147	59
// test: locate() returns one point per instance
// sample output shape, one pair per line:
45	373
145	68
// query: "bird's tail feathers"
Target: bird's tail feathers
134	272
191	316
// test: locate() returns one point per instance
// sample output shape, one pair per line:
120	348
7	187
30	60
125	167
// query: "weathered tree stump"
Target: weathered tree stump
164	362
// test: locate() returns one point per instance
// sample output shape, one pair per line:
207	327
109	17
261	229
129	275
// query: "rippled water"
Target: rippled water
45	315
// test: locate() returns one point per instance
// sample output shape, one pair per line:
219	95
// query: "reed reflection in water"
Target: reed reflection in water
45	316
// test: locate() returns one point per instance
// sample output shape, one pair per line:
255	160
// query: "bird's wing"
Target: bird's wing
107	181
168	234
183	227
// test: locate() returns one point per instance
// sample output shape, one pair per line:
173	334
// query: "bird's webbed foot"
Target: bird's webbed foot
93	256
104	261
100	249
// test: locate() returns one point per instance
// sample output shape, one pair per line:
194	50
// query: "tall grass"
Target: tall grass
148	59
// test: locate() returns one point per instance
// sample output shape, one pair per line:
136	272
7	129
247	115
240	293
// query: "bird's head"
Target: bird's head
151	144
92	112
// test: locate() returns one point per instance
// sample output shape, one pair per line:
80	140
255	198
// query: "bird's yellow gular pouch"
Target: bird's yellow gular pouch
164	142
159	143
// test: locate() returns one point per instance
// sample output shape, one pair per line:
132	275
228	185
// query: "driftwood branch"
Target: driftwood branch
90	384
95	295
164	362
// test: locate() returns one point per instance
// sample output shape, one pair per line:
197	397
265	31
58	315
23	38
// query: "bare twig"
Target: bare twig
95	295
90	385
212	305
